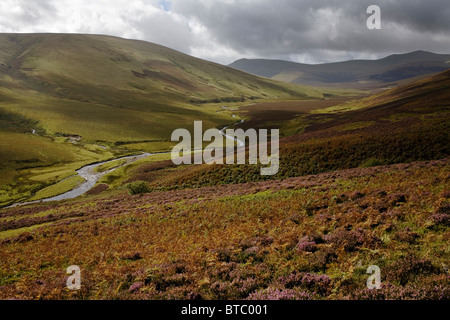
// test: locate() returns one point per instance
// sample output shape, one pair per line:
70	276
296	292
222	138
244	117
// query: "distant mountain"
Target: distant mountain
355	73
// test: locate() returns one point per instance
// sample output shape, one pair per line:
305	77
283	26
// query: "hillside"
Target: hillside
305	238
110	89
355	73
365	184
401	125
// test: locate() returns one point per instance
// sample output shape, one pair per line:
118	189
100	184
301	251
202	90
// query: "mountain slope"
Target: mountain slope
401	125
370	73
96	81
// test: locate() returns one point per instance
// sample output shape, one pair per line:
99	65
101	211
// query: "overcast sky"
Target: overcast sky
309	31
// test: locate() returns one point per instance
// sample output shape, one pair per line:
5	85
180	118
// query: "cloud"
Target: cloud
309	31
136	19
318	30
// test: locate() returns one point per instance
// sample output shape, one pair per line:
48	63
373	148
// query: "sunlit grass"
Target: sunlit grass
58	188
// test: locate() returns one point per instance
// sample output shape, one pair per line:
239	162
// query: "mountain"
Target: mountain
355	73
109	89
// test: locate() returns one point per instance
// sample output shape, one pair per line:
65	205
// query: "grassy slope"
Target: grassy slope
110	89
311	237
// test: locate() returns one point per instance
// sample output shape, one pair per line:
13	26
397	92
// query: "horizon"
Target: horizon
239	59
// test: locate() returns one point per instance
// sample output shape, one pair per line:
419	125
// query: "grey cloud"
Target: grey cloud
424	16
285	28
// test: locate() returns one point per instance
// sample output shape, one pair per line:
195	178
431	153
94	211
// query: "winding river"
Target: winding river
91	176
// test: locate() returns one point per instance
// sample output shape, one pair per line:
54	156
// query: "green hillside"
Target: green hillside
110	89
350	194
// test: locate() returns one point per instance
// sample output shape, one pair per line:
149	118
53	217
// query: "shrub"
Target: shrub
441	219
390	291
131	256
409	267
352	240
306	244
163	278
316	283
319	284
372	162
138	187
406	236
321	258
135	287
349	240
357	195
443	209
292	280
396	199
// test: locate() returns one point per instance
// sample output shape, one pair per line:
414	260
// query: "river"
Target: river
91	176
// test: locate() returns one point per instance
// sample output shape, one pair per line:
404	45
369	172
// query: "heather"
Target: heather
310	237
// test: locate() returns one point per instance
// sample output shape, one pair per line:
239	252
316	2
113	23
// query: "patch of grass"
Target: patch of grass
352	105
31	163
58	188
17	232
355	126
372	162
110	165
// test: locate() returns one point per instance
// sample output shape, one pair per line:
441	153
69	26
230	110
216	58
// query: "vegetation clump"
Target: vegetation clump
138	187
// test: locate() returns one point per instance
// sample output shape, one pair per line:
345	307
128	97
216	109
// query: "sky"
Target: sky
306	31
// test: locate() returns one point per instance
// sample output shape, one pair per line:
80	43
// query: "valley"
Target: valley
103	91
86	176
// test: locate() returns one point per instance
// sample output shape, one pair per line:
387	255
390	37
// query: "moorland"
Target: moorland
363	179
